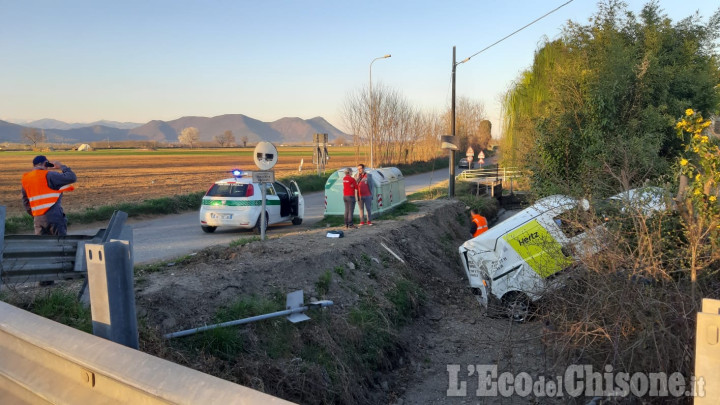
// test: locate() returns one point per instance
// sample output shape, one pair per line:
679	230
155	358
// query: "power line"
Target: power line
515	32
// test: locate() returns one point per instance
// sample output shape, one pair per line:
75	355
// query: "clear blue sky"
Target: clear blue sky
82	61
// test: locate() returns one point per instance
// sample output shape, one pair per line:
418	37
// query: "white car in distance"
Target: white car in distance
237	202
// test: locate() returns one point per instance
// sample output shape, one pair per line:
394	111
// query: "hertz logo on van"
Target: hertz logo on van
536	246
528	238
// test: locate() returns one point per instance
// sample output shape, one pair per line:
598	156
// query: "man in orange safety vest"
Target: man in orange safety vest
478	223
42	191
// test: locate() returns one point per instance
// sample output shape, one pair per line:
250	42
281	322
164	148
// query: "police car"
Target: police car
237	202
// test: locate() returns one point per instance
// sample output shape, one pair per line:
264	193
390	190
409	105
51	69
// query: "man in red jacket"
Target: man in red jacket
349	190
365	194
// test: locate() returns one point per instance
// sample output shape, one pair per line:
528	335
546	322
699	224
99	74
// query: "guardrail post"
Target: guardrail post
116	230
706	384
2	238
112	298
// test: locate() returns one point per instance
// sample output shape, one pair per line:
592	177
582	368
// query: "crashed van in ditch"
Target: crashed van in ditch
511	264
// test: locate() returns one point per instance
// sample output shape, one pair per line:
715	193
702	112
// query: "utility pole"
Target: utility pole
451	182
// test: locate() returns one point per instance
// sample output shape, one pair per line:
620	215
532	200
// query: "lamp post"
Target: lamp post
372	113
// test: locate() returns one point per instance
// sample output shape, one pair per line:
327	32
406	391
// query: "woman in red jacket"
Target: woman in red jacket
349	190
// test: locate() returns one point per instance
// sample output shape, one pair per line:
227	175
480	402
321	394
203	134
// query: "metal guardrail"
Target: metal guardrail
497	173
39	258
44	362
492	179
32	258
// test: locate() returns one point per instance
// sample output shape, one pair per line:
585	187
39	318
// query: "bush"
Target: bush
632	305
484	205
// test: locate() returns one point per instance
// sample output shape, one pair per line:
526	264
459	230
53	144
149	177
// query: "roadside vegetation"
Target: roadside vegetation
616	104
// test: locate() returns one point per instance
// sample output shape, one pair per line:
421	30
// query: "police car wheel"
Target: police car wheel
296	221
256	228
208	229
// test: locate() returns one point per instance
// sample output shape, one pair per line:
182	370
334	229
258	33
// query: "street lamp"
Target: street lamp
372	113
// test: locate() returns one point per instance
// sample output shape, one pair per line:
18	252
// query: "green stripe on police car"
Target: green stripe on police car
238	203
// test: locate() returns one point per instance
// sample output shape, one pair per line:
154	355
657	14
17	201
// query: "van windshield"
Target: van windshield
228	190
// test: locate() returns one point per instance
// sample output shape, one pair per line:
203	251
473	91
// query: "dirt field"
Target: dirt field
450	328
105	178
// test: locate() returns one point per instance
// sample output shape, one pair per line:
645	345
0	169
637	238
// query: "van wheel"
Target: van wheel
296	221
517	306
256	228
208	229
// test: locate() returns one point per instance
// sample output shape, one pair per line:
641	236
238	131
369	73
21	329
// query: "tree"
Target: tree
401	132
484	134
226	139
698	196
469	116
189	136
595	112
340	141
34	136
244	140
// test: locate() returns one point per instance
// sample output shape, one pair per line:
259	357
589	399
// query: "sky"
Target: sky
135	61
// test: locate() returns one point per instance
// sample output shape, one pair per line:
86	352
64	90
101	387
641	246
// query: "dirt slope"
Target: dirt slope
448	327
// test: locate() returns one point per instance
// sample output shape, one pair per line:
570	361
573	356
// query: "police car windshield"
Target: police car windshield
228	190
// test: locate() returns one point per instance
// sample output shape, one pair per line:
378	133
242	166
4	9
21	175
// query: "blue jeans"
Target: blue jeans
366	203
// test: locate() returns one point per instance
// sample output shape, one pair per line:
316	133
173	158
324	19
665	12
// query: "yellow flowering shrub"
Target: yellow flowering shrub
701	164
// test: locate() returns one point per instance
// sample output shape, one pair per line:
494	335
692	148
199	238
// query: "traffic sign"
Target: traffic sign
470	152
263	176
481	155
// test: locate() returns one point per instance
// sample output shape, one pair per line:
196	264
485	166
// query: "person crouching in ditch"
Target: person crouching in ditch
478	223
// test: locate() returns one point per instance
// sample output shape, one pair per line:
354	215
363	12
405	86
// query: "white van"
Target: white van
237	202
513	263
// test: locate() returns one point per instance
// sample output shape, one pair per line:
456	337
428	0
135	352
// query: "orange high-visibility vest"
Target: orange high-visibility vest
481	224
41	196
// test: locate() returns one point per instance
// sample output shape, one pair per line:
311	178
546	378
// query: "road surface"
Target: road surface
171	236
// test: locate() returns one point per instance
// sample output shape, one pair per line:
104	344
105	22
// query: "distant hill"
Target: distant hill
208	128
49	123
284	130
304	129
10	132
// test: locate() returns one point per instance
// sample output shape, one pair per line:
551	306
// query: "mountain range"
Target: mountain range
284	130
49	123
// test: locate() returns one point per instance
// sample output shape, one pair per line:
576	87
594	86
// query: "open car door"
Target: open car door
297	203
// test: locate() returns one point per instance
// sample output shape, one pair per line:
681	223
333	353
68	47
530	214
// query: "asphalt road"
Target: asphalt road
171	236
